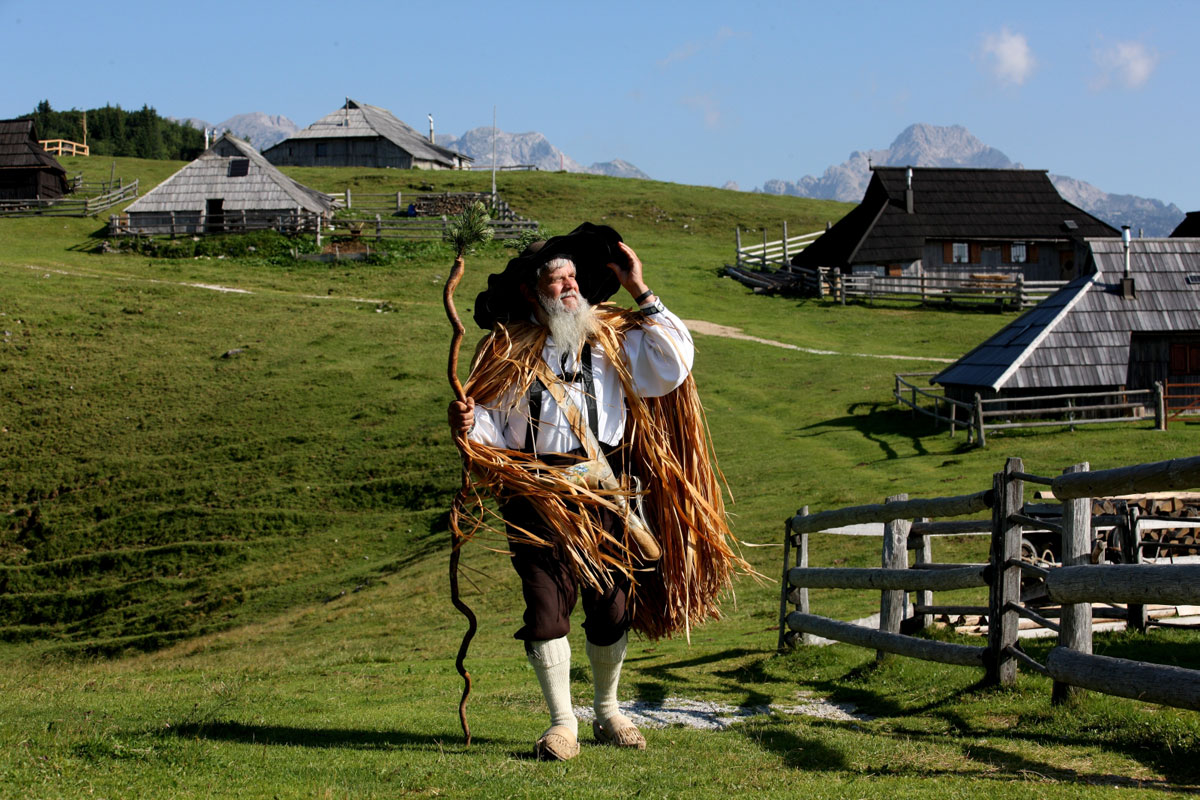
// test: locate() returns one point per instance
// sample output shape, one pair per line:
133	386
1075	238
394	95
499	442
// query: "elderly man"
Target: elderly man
553	392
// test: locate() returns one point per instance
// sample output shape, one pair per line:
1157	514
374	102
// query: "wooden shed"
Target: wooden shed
359	135
27	171
229	183
1101	332
955	222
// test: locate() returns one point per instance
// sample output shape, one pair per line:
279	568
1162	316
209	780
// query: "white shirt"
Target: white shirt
659	356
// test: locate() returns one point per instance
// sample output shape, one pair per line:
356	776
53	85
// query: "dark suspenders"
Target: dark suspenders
586	374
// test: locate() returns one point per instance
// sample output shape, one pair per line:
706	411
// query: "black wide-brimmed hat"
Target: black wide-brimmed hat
590	247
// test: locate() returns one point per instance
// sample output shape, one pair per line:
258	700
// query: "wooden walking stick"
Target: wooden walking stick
469	229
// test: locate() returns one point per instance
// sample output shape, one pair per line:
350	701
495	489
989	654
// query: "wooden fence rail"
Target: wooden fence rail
1075	585
1079	408
72	205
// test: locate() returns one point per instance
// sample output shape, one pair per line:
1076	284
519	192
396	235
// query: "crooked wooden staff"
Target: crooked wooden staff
470	228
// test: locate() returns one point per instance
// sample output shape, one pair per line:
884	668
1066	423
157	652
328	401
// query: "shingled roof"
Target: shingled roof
1080	336
948	205
255	184
20	149
357	120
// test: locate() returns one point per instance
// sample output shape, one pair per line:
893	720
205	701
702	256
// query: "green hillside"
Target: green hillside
229	477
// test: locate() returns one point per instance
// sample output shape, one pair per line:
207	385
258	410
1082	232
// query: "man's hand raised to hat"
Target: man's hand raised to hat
629	273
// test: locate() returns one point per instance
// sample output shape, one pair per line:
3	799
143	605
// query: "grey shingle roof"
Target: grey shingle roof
357	120
948	204
262	188
1080	336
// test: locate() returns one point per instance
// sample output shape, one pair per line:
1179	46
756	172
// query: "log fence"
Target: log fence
1017	589
1036	411
72	205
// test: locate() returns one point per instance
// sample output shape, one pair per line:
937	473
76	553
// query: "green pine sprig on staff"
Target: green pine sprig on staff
470	228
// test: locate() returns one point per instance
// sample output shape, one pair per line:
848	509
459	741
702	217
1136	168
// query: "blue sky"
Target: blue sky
693	92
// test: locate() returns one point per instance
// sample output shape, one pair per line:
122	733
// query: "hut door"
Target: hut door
214	215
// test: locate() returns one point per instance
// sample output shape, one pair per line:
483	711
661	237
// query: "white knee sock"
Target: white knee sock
551	660
606	672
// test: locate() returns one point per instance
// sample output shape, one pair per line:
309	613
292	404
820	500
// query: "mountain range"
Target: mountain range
923	145
918	145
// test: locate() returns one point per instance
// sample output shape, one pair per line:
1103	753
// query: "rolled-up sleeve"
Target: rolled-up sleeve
659	354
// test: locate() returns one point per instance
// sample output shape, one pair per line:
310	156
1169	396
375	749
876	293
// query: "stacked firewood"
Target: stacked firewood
1185	505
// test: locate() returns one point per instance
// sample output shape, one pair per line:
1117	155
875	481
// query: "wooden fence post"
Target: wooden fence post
802	591
348	206
379	226
1160	407
786	588
764	250
737	258
1075	631
895	556
786	260
977	418
1005	575
399	203
925	596
1131	553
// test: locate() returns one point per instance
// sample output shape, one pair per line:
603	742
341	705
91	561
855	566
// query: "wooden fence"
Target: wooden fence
1179	400
171	223
64	147
1074	586
1009	291
73	205
775	254
396	215
1039	411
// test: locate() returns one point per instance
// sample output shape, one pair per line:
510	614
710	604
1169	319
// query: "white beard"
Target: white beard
569	329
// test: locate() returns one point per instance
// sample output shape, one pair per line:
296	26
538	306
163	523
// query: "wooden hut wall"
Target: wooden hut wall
376	152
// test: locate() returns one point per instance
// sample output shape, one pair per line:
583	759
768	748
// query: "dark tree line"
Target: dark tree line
113	131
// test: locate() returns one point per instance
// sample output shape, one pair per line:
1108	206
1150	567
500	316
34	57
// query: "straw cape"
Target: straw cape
669	448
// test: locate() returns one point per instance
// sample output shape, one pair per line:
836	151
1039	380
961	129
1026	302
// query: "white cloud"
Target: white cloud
1129	64
1008	57
692	49
710	112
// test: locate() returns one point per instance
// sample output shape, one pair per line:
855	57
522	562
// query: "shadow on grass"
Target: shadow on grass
288	736
668	678
1167	752
881	423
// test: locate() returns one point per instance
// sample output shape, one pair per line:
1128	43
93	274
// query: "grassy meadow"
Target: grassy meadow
223	548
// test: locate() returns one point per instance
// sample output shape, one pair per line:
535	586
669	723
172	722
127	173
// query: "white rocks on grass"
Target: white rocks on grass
717	716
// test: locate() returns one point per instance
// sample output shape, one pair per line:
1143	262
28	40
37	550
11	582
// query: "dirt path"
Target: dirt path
712	329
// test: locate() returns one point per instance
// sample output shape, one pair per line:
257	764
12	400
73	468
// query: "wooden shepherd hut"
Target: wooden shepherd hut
229	183
359	135
1190	225
956	222
27	171
1126	325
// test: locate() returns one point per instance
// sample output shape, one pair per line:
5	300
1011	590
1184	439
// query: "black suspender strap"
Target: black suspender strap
589	390
586	374
535	413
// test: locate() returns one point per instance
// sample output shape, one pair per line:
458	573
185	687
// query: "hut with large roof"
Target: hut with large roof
27	171
952	222
229	184
1119	327
361	135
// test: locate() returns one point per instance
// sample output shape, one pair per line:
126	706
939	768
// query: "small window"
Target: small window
321	149
1192	280
961	253
1019	255
239	167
